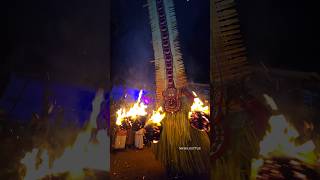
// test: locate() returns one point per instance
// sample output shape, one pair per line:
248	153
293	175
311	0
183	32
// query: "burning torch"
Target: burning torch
153	126
199	114
136	113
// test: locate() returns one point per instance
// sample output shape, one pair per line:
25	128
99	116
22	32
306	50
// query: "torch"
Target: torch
199	115
153	126
122	120
136	113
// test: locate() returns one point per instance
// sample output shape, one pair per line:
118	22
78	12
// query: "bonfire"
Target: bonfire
77	160
280	156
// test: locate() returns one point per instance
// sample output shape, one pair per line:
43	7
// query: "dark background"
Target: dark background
132	44
67	39
281	34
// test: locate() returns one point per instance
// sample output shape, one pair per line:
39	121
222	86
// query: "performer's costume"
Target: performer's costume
171	84
229	70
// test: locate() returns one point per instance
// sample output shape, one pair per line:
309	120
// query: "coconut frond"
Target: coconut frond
160	69
235	164
176	134
179	70
179	74
229	52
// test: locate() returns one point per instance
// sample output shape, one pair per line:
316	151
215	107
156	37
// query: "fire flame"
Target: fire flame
198	105
157	116
138	109
81	155
280	142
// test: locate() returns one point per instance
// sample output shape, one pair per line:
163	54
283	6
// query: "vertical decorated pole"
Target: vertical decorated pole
182	149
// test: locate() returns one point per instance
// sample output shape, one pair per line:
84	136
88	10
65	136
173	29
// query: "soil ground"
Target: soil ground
134	164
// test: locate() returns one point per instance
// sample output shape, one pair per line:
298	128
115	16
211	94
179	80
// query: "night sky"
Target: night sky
281	33
132	44
69	39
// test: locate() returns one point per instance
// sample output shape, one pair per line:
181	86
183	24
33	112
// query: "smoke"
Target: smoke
132	48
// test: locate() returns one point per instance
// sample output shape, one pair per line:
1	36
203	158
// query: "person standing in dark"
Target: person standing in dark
130	137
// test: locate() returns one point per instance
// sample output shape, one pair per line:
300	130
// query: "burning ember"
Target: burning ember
199	115
125	118
153	126
76	159
280	156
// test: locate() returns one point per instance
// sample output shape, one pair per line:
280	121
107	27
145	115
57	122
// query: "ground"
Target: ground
133	164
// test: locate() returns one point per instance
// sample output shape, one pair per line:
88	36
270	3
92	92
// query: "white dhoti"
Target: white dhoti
138	140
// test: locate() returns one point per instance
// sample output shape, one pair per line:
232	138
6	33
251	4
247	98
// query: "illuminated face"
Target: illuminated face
171	99
171	92
172	102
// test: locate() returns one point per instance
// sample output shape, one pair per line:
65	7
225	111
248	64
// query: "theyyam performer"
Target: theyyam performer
182	149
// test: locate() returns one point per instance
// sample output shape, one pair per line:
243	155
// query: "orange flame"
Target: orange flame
279	142
157	116
198	105
82	154
138	109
